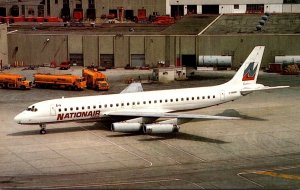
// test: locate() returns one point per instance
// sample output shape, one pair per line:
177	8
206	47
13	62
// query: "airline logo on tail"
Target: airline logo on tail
249	72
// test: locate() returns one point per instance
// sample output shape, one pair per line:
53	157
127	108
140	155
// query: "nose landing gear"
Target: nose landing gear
43	129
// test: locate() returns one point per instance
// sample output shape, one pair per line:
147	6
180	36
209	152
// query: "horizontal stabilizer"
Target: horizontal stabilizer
246	91
169	115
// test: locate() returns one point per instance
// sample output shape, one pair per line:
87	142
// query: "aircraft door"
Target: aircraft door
222	95
52	110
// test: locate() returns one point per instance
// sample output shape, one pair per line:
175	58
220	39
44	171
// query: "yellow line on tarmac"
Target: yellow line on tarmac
284	176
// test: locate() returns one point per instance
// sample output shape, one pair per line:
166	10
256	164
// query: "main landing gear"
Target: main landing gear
43	129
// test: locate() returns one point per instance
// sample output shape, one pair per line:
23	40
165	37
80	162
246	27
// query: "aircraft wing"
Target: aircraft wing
133	87
168	115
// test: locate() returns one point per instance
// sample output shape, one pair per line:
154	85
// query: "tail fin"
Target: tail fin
247	74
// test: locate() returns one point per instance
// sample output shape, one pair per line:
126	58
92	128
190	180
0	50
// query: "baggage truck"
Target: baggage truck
9	80
95	80
66	81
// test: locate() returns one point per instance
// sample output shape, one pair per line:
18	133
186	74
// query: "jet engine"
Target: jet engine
126	127
160	128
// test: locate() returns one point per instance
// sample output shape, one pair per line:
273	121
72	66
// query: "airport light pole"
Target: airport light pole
177	9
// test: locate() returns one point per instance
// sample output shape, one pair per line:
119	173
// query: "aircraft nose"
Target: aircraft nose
18	118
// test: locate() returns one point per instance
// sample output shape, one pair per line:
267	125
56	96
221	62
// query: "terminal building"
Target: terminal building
202	33
92	9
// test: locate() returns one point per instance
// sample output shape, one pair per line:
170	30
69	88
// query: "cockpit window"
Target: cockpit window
32	109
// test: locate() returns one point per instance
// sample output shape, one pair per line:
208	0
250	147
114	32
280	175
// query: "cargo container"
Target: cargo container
70	82
9	80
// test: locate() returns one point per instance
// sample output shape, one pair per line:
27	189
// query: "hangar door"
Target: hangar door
76	59
107	60
137	60
129	14
192	9
177	10
210	9
189	60
255	8
2	11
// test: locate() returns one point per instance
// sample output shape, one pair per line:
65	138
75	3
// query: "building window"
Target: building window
236	6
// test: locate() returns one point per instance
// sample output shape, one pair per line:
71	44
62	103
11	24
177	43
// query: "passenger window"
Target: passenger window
111	105
122	104
193	98
94	107
208	97
66	109
171	100
203	97
214	96
160	101
166	100
176	99
99	106
128	104
71	109
82	108
59	110
187	99
105	105
77	108
133	103
144	102
149	102
198	97
155	101
117	105
182	99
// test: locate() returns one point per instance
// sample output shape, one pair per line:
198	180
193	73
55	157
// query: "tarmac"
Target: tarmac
259	151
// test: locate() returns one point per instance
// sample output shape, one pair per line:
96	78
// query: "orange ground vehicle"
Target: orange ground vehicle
9	80
70	82
95	80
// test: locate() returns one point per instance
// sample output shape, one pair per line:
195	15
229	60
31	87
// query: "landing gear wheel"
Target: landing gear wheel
42	131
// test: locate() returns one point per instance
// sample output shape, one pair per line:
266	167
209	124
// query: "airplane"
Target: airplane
135	110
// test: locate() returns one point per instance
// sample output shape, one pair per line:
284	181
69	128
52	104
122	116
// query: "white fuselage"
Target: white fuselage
96	107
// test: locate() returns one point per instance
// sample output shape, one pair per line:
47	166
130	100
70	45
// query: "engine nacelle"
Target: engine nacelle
126	127
160	128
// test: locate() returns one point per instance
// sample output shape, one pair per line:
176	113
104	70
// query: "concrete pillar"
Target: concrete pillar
3	44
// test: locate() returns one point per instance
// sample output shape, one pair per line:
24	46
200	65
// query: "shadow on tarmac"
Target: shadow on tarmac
177	136
234	113
155	137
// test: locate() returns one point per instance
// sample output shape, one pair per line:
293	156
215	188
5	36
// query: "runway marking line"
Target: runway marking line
280	175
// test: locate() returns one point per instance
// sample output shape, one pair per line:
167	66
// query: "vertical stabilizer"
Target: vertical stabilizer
248	72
